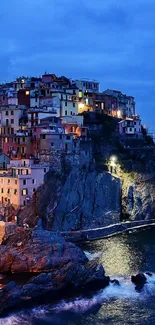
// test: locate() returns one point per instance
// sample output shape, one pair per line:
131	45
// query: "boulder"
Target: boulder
139	280
149	273
115	282
50	265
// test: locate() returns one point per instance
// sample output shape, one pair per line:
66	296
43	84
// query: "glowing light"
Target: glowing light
119	113
113	159
27	92
81	105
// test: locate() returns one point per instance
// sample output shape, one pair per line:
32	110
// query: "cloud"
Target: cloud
112	41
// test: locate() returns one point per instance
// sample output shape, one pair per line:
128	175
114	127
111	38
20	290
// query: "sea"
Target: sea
122	256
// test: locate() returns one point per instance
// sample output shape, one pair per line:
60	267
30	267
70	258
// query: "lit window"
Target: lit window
24	191
27	93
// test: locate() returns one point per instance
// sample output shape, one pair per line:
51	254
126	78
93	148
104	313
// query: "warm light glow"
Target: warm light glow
80	94
27	92
81	105
119	113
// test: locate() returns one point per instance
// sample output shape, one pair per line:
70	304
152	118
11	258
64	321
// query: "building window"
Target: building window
33	181
8	191
65	103
23	139
8	181
73	104
60	136
24	181
15	182
12	121
71	112
24	191
44	170
65	112
7	113
15	192
6	140
52	144
12	112
130	129
2	190
68	137
34	190
44	136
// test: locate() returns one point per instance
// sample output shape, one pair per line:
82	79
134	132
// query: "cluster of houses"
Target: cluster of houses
41	116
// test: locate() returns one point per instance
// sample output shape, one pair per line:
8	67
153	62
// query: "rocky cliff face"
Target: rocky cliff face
87	199
138	196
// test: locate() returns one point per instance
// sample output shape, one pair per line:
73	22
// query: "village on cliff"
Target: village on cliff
50	122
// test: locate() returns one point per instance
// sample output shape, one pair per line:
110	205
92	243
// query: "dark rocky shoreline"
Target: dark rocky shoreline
48	265
38	266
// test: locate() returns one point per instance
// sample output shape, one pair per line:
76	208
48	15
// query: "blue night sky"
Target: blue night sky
108	40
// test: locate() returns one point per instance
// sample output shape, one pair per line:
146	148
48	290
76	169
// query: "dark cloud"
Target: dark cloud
112	41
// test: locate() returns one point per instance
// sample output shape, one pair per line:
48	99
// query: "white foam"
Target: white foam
92	256
15	320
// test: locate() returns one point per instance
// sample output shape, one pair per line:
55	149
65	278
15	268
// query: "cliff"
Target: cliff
138	196
87	198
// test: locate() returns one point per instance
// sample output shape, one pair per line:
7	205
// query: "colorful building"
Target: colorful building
20	182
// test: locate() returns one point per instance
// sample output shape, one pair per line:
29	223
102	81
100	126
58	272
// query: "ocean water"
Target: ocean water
121	256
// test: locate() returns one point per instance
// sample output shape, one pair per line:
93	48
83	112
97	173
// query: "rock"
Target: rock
53	263
139	287
116	282
139	279
84	198
148	273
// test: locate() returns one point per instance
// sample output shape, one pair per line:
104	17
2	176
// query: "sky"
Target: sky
112	41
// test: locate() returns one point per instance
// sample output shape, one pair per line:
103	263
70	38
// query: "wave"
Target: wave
126	290
92	256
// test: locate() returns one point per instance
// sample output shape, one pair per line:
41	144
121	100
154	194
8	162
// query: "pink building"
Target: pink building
21	181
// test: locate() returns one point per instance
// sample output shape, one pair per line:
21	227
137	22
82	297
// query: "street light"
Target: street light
113	159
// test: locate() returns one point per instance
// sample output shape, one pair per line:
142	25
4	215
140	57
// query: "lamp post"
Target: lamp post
113	161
